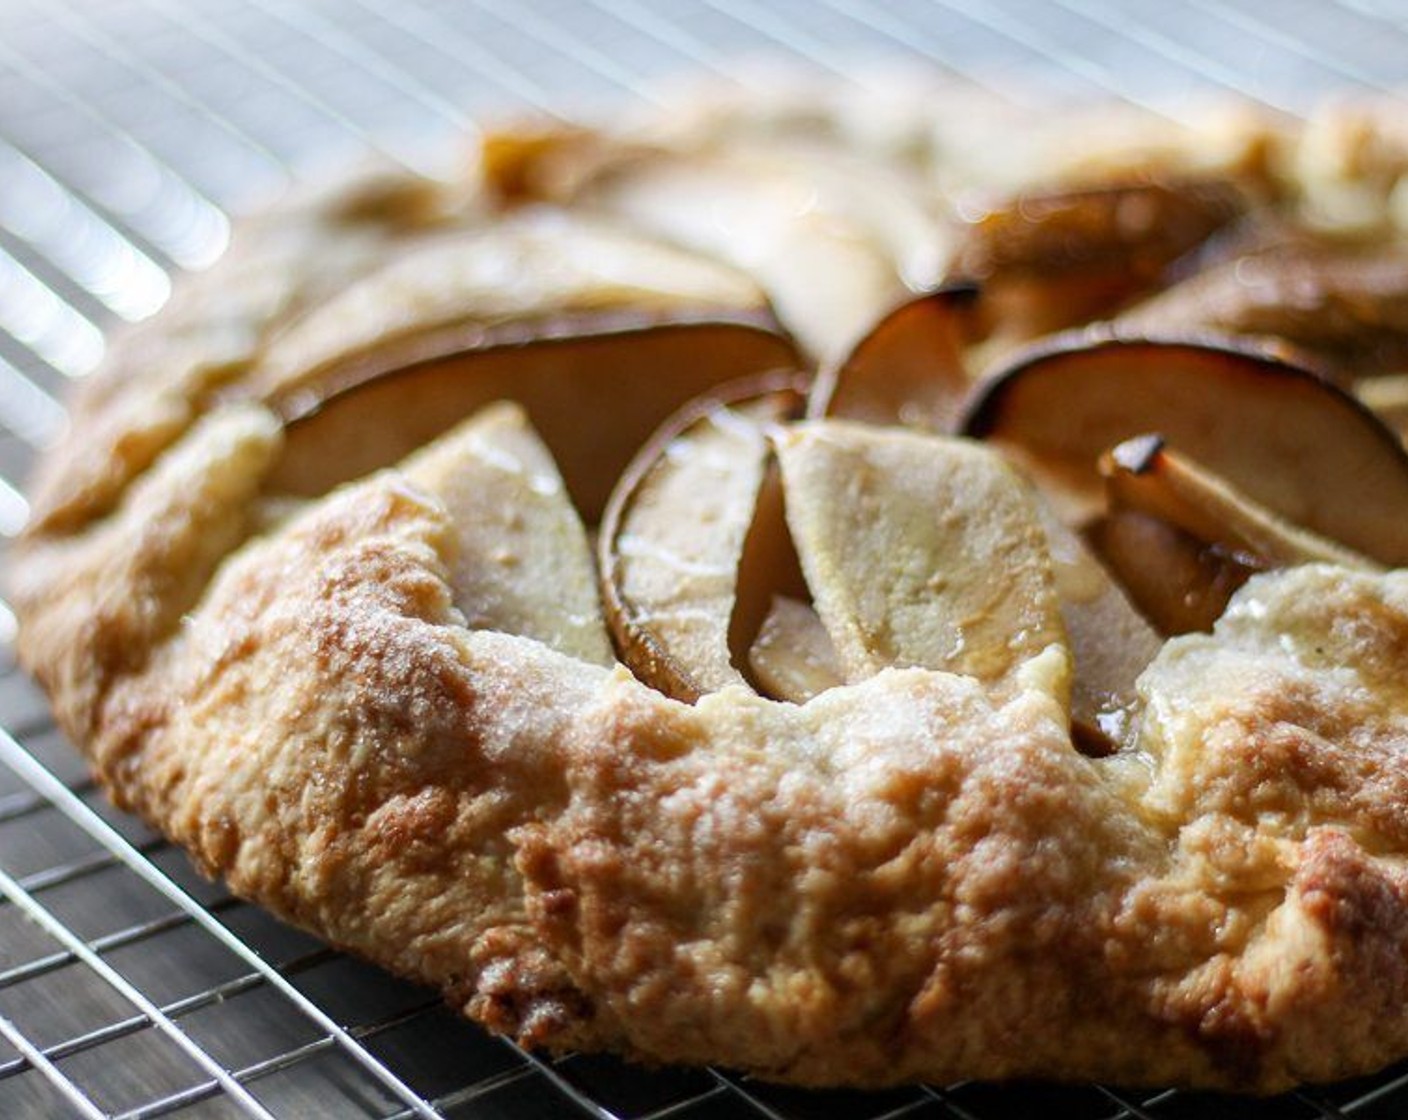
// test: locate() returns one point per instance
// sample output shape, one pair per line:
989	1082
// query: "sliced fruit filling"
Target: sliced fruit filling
551	310
674	537
1135	474
1052	259
919	551
517	534
860	549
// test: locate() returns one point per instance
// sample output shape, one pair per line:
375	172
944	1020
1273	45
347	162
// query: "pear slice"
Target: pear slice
1183	539
674	537
813	241
899	208
1179	583
1143	474
521	562
792	657
919	551
574	320
768	568
1344	302
1111	642
828	282
1052	259
909	369
1387	398
1284	436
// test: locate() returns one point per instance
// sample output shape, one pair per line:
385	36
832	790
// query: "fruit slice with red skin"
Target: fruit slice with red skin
1280	433
909	369
919	551
521	562
1146	475
675	532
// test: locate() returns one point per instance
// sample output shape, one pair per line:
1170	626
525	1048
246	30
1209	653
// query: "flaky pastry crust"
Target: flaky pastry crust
903	879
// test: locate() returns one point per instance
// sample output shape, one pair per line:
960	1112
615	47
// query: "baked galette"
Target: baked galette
852	592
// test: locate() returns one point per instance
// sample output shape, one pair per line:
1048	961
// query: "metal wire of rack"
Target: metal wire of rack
129	131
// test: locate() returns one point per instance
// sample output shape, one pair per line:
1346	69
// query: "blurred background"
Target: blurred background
131	131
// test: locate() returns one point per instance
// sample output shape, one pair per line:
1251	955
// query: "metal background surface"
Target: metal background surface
129	132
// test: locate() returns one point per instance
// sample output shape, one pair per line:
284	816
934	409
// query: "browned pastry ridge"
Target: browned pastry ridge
914	875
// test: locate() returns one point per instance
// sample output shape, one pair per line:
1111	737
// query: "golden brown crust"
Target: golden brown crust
892	882
904	878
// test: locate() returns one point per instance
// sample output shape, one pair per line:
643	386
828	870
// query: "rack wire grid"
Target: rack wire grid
129	131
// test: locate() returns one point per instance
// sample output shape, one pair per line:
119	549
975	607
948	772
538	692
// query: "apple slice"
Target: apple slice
919	551
792	657
574	320
1143	474
521	563
909	369
675	533
1053	259
1180	583
1284	436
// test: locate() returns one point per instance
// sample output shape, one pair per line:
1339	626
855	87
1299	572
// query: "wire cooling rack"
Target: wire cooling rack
129	131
